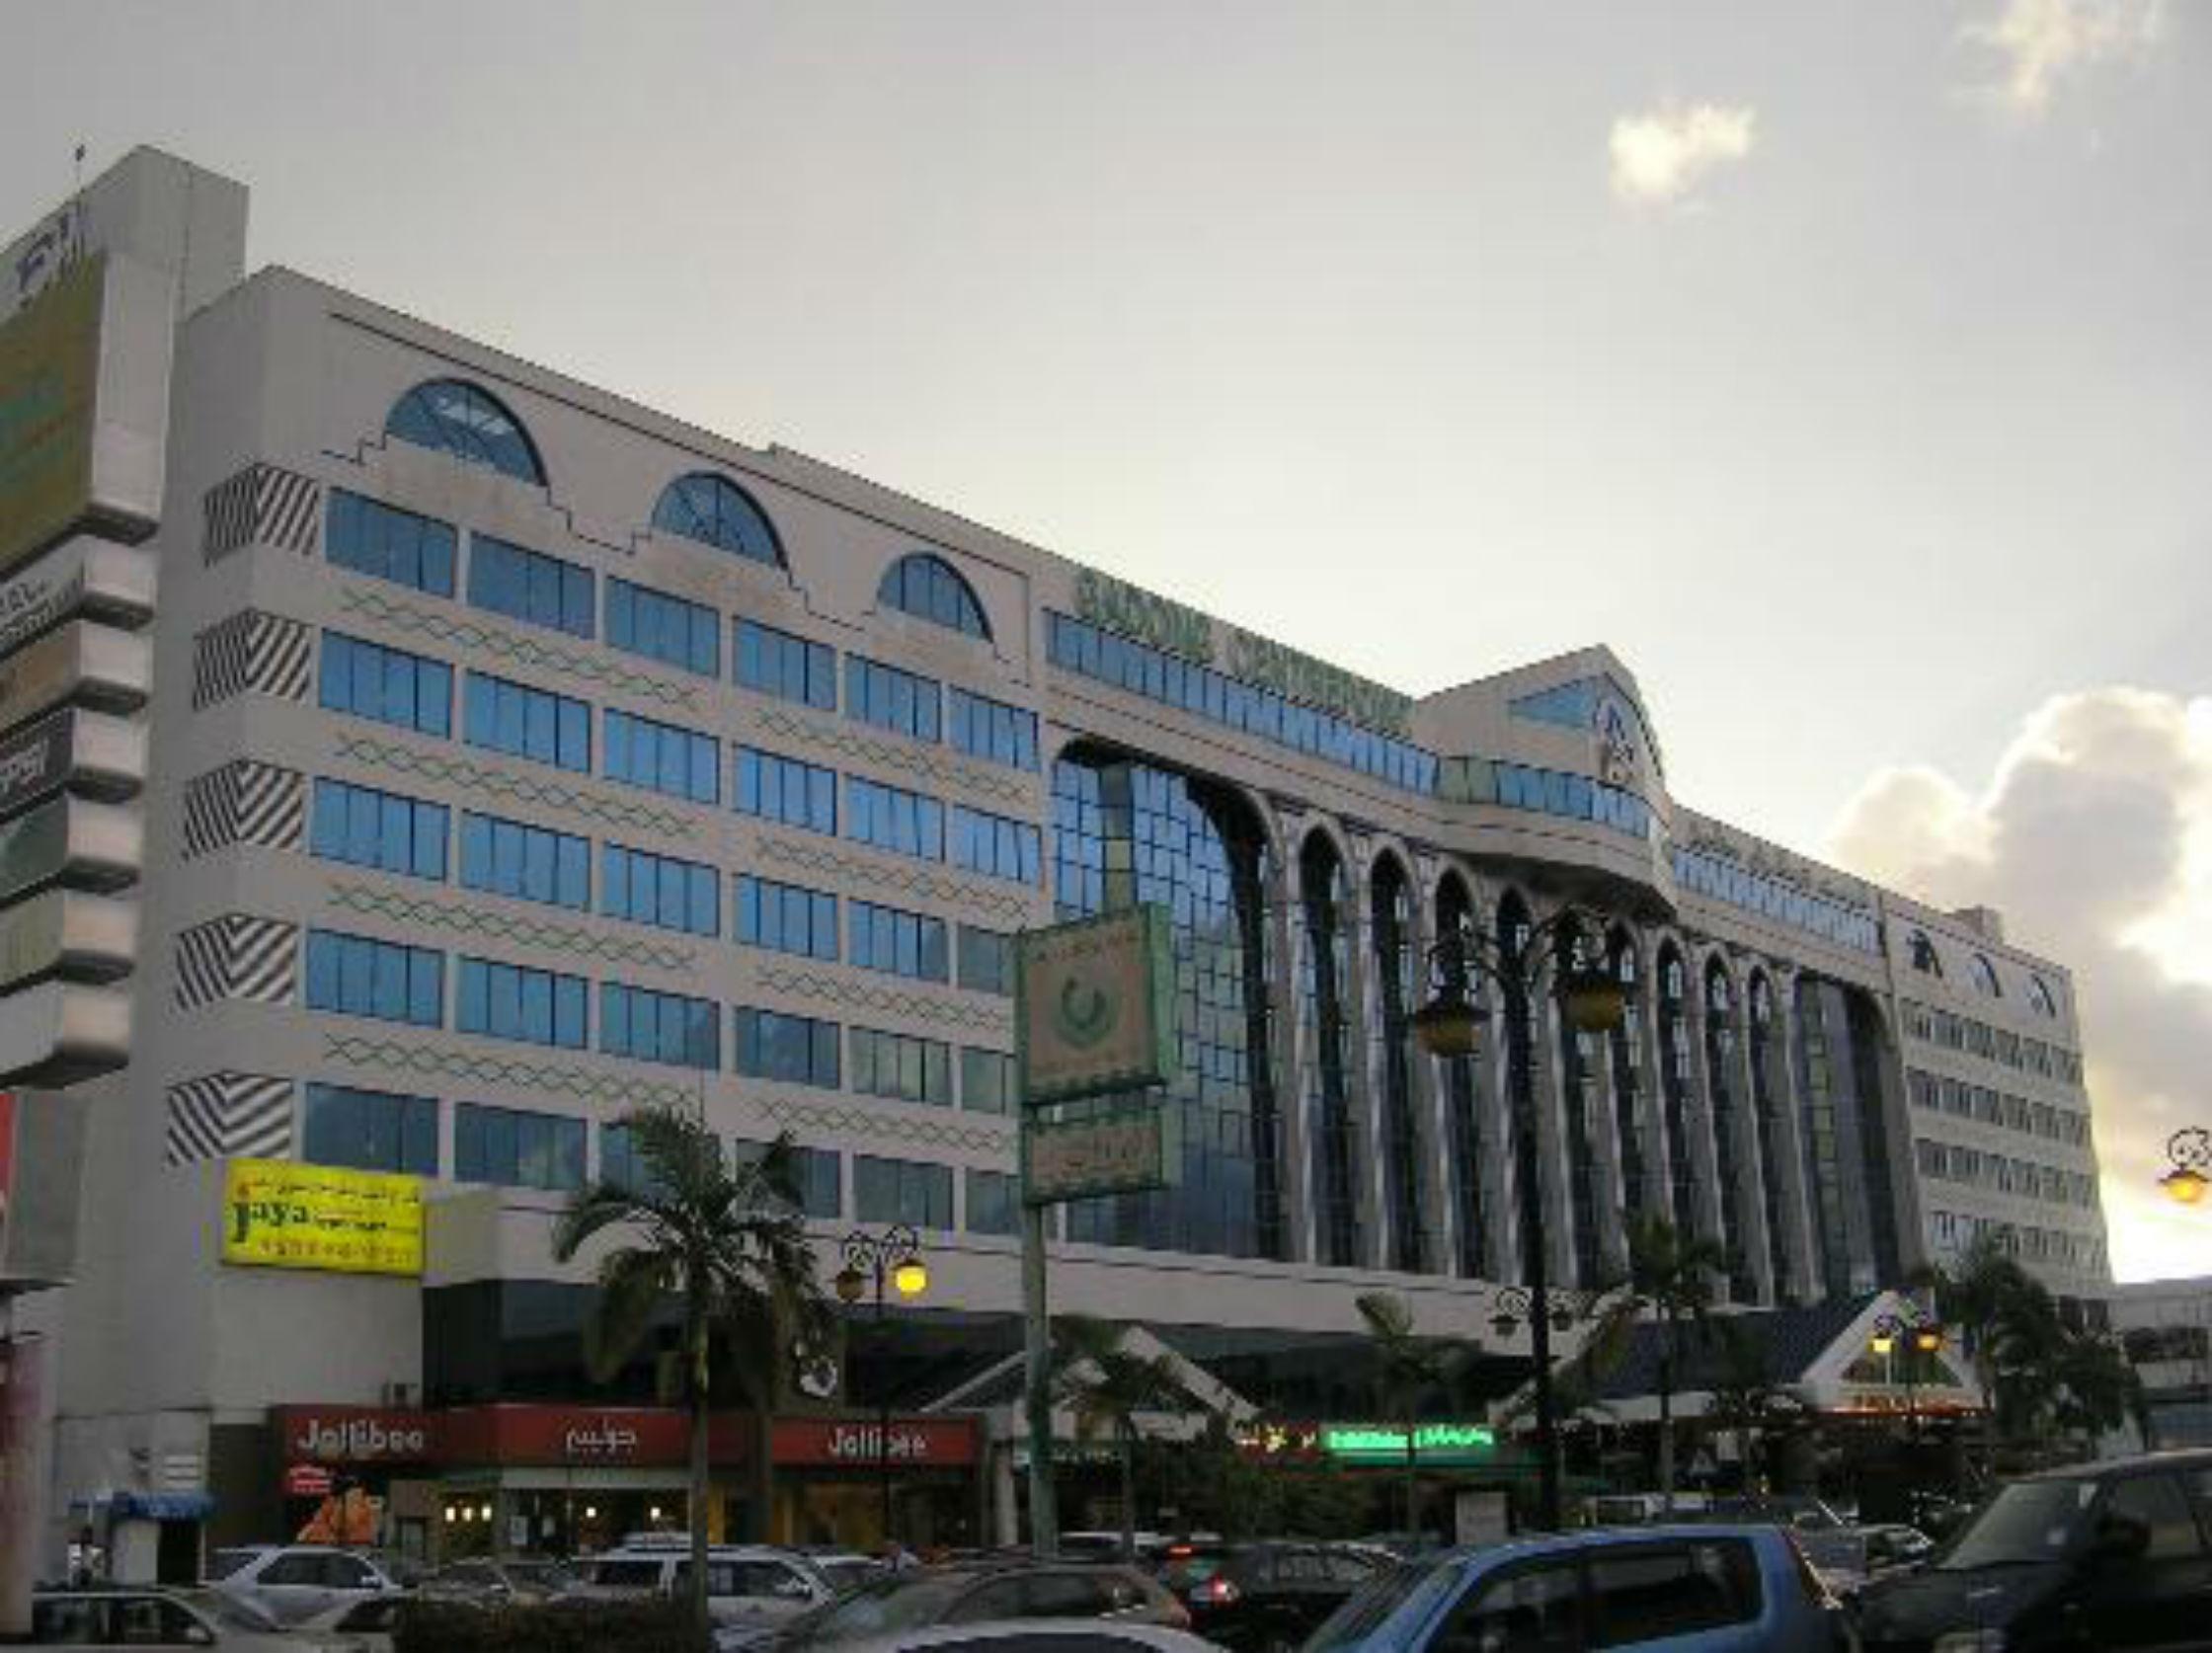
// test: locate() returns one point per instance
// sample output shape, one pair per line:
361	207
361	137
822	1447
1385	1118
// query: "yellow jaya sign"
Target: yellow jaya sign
283	1216
49	382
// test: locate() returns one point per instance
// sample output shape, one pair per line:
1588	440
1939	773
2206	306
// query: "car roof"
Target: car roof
1012	1629
2185	1457
1601	1537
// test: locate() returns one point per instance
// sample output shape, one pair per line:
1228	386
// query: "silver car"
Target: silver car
294	1582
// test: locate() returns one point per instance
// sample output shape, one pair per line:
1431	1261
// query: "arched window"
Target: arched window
1766	1113
1674	1085
1624	1048
1720	1087
2039	998
928	588
1396	981
1322	970
716	511
451	415
1925	958
1455	909
1985	977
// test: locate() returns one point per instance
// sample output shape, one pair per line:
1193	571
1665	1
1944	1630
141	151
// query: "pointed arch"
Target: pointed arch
925	585
467	422
1763	1032
1624	1052
1671	980
1323	969
1462	1119
1397	979
1723	1101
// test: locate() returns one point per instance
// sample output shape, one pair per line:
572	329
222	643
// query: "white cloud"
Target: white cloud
2093	837
2043	42
1660	157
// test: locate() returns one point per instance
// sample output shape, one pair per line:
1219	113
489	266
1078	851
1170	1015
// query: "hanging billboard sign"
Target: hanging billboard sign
56	1033
88	753
285	1215
1094	1007
67	932
1123	1151
83	664
72	841
92	577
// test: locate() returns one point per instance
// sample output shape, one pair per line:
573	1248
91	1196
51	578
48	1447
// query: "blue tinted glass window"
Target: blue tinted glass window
890	818
993	845
513	1148
660	890
369	1131
902	1068
814	1175
798	1050
908	944
666	628
649	1026
533	1006
789	668
785	789
451	417
388	685
715	511
373	538
527	722
661	757
994	731
366	827
529	863
356	976
927	587
986	959
901	1191
530	585
993	1203
889	698
786	919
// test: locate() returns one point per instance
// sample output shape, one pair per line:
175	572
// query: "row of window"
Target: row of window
1940	1093
1953	1032
1725	880
385	542
1556	792
392	687
516	1148
364	826
1979	1167
1951	1232
1929	962
1077	646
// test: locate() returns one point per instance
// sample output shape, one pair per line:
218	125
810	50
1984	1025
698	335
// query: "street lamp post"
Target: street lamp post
2188	1153
1920	1336
1450	1026
894	1257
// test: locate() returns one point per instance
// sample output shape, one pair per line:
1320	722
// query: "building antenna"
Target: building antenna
79	189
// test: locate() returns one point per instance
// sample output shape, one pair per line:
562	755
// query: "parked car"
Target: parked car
294	1581
353	1628
1107	1547
754	1583
1891	1545
2100	1555
1264	1596
846	1569
977	1593
1036	1635
491	1583
138	1618
1718	1589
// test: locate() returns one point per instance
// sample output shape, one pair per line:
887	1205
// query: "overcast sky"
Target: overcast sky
1847	366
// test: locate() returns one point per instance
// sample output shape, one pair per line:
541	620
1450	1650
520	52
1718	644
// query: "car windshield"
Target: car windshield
1425	1583
223	1563
886	1606
2027	1523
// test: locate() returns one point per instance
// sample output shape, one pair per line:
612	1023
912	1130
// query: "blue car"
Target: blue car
1714	1589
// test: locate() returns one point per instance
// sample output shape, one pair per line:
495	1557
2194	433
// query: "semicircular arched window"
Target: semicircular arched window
928	588
452	416
1985	977
716	511
1925	957
2039	998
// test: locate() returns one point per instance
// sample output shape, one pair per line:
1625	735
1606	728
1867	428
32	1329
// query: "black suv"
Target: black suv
1263	1597
2099	1555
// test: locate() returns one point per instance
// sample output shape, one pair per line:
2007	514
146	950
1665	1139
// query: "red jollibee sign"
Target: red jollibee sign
915	1442
357	1435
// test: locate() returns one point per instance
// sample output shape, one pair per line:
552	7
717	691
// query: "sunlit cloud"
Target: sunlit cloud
2041	42
1660	157
2093	837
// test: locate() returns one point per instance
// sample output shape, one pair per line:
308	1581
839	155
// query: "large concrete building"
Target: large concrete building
520	755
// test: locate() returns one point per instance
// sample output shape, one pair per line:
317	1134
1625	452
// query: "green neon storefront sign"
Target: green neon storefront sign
1436	1443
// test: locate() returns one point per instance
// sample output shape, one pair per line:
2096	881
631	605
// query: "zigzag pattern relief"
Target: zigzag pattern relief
858	996
497	783
912	881
809	732
523	933
422	1062
506	646
922	1133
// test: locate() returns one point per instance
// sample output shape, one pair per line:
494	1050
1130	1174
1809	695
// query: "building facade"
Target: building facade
519	756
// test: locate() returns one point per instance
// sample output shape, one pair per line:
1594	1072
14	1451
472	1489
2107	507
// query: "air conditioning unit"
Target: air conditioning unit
403	1397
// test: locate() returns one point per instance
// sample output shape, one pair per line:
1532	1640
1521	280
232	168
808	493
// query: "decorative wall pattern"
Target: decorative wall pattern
252	652
955	1133
263	503
574	940
507	648
491	781
889	1002
237	957
224	1115
245	802
423	1062
912	881
913	760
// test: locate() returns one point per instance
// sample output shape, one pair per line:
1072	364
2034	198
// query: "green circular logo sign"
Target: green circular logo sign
1083	1013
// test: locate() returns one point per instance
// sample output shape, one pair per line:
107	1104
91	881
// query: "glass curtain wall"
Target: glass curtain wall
1766	1118
1126	831
1463	1114
1720	1086
1513	935
1322	973
1823	1162
1578	1101
1397	973
1625	1050
1675	1088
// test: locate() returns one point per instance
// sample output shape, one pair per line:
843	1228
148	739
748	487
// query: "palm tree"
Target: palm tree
1746	1399
2007	1335
1412	1367
1108	1385
1670	1275
721	1246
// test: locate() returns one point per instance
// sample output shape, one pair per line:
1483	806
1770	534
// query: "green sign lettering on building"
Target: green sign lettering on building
1433	1443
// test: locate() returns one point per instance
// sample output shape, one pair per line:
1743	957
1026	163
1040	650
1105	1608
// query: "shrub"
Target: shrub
654	1626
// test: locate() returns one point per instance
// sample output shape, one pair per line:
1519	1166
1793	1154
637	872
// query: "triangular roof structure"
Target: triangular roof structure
996	1390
